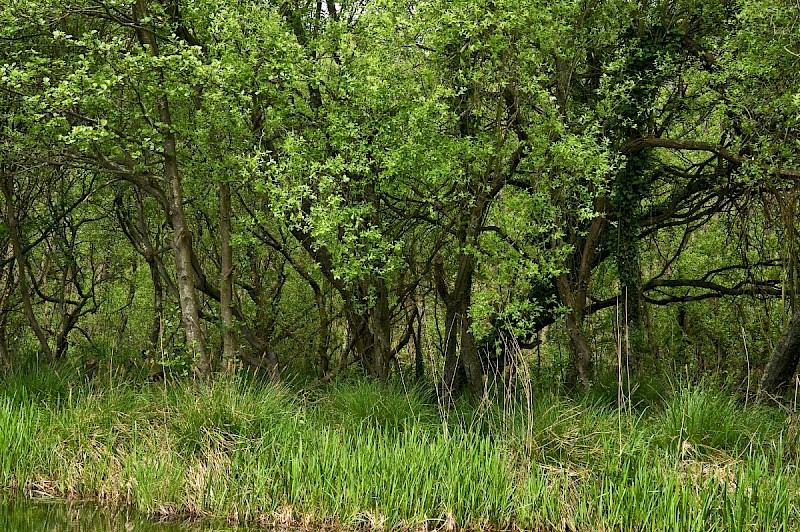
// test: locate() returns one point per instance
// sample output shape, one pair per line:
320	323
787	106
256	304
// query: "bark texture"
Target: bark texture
462	365
182	247
782	364
226	272
22	267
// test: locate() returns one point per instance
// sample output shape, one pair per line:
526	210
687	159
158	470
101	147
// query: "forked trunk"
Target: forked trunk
462	367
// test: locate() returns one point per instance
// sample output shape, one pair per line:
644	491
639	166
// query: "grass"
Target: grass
360	454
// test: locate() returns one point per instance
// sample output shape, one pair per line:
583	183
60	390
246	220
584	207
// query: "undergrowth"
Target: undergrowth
361	454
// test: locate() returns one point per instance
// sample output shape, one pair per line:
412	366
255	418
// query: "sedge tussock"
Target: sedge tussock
256	454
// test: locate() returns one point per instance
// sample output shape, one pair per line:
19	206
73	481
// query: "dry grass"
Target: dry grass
255	454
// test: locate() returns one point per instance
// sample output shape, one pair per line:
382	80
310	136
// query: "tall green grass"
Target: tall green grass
360	404
363	454
705	419
19	428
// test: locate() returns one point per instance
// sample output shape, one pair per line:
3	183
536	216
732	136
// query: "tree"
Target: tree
341	179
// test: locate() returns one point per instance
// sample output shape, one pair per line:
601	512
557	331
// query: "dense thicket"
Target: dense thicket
377	185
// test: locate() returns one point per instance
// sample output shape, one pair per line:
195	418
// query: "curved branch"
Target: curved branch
641	144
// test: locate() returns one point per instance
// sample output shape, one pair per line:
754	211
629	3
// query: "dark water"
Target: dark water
20	515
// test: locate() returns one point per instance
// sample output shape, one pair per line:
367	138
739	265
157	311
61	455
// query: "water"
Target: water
21	515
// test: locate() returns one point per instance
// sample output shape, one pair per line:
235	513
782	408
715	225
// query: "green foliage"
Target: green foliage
359	144
699	418
629	165
224	413
19	427
248	451
363	405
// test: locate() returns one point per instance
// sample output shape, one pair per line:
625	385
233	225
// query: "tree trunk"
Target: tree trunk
10	286
324	331
184	272
68	323
462	366
419	362
187	297
5	355
473	369
22	267
226	273
783	363
381	324
369	342
158	304
581	353
453	378
123	323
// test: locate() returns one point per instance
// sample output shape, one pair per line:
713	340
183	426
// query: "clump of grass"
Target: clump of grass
639	394
407	476
566	432
791	440
225	411
651	497
369	455
19	428
354	405
701	418
37	382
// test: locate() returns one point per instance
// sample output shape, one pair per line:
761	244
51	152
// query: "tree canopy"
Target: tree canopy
376	185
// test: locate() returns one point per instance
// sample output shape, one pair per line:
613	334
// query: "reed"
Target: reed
381	456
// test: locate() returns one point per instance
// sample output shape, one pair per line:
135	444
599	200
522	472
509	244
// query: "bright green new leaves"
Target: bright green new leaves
361	144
